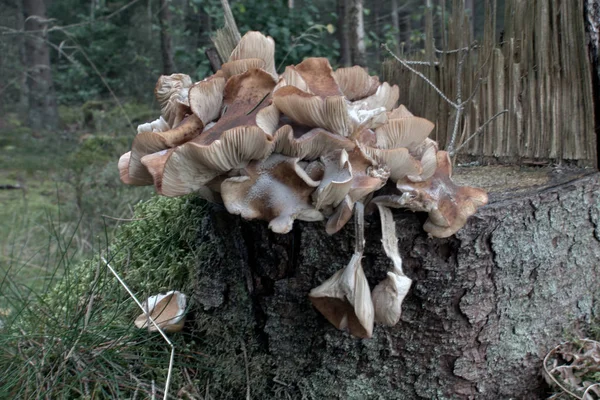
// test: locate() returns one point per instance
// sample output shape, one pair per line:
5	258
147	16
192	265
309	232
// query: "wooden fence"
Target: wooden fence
537	70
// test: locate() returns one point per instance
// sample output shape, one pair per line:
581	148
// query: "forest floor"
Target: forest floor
61	187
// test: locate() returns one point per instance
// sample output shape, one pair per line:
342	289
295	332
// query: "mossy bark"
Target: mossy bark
485	306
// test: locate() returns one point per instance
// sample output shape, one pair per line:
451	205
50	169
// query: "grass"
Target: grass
68	177
73	336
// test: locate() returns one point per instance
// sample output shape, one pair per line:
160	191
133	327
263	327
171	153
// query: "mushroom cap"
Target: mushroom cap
167	310
345	299
171	92
151	142
388	296
355	83
255	45
336	180
449	205
277	190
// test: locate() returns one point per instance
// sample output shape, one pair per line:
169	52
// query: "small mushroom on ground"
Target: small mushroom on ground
167	310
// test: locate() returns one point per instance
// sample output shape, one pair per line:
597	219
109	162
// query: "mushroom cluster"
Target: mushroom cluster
310	144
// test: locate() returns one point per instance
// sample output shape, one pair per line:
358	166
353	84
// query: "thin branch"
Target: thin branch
419	74
427	63
478	131
460	105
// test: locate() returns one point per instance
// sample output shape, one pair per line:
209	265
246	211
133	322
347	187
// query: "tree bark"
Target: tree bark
357	33
485	306
166	42
42	112
343	34
592	29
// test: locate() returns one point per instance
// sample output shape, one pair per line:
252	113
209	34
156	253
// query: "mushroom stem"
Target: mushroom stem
389	238
359	227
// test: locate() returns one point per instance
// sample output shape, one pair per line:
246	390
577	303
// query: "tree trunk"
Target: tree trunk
166	43
592	28
357	33
43	112
485	306
396	26
343	34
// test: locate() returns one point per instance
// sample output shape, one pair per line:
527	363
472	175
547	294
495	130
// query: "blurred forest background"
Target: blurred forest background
84	50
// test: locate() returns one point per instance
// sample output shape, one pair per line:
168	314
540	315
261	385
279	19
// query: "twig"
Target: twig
419	74
459	103
158	328
588	389
477	132
428	63
453	51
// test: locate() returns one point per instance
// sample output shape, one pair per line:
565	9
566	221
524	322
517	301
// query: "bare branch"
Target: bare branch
478	131
405	64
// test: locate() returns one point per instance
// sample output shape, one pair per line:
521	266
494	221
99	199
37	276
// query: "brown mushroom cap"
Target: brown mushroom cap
171	92
318	75
255	45
277	190
240	66
403	132
167	311
345	299
367	178
336	180
448	204
355	83
329	113
206	99
151	142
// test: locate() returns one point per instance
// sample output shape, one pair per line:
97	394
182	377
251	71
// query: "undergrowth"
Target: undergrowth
74	338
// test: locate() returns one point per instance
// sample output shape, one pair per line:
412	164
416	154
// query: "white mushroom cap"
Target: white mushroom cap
167	310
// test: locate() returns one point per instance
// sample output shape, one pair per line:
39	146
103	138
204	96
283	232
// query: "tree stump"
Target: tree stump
485	306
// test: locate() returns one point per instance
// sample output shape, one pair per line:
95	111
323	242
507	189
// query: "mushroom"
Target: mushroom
355	83
309	144
171	91
389	294
336	181
345	298
167	310
448	204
